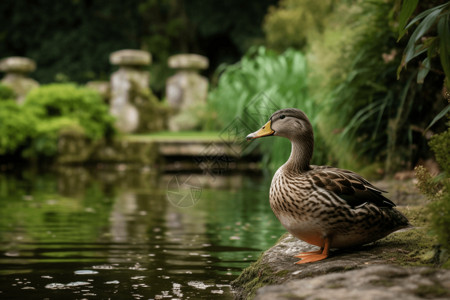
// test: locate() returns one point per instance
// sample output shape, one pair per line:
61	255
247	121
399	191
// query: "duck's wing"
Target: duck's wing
351	187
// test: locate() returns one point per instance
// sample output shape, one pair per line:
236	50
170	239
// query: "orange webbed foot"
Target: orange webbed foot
303	254
307	257
312	258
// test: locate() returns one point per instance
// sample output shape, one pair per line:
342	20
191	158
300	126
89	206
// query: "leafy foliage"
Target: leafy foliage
437	189
293	22
250	91
368	114
367	117
423	39
34	128
440	220
17	127
6	92
432	35
56	101
440	144
45	141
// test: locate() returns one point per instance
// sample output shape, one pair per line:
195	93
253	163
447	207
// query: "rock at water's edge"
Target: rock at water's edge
277	265
373	282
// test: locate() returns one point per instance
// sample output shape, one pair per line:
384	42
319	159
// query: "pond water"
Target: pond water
129	234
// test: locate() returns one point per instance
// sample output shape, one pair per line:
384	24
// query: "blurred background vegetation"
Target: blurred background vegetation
370	74
71	39
345	78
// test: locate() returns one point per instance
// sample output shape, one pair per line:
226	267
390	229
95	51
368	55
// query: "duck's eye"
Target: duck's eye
282	116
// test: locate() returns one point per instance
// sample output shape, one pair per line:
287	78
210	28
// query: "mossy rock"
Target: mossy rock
368	282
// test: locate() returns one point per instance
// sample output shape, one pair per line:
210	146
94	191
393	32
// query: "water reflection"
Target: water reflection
103	233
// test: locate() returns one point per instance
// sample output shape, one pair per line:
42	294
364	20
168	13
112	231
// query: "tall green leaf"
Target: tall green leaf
425	68
444	34
439	116
408	8
424	26
425	13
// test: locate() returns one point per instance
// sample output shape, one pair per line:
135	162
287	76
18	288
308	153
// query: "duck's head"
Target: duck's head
290	123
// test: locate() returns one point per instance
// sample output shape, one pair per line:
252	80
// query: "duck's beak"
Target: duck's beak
266	130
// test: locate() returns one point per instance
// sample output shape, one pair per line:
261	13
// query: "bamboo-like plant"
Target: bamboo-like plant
371	117
435	19
420	42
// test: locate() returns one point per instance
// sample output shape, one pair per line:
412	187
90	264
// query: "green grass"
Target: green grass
176	136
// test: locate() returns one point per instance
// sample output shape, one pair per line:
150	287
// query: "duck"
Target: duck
324	206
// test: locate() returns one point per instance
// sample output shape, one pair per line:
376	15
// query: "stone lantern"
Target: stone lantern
132	102
16	69
187	90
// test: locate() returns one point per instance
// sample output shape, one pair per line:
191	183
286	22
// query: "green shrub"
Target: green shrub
440	215
440	144
83	105
437	189
33	129
45	141
250	91
6	92
17	127
440	209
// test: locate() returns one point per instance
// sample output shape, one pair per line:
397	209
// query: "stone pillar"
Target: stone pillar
186	91
132	102
16	69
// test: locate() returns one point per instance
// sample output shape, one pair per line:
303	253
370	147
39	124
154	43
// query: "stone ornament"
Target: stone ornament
130	57
16	69
186	91
132	102
188	62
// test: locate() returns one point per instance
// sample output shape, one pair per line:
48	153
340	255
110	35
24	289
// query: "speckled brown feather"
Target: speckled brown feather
349	186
